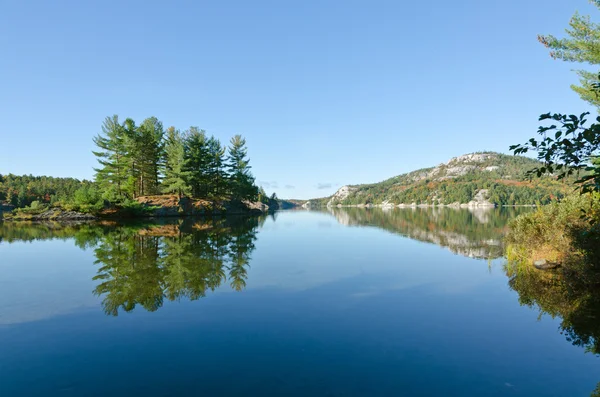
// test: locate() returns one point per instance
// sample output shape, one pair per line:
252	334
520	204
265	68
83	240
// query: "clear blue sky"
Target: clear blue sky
326	92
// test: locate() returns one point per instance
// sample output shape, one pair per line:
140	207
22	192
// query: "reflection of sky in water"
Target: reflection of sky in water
43	278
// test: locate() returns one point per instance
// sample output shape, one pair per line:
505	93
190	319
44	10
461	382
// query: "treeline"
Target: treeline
461	191
22	191
145	159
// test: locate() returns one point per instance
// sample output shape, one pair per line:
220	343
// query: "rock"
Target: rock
256	207
471	158
56	214
341	194
543	264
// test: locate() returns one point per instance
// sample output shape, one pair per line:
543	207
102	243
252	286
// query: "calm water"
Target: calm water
342	303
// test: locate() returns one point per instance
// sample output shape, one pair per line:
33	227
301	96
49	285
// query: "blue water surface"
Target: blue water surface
331	306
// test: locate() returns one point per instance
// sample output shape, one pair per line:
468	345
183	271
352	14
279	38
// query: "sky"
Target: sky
326	92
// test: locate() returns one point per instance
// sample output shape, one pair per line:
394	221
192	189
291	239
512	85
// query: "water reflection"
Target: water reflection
573	295
144	264
570	294
475	233
145	267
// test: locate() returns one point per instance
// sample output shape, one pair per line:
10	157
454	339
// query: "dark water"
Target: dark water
343	303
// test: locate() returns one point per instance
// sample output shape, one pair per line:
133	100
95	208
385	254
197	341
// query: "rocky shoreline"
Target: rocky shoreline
151	207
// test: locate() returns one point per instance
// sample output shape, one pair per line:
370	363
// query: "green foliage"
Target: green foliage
132	208
143	160
21	191
175	180
581	45
566	149
241	180
113	158
148	156
262	196
196	161
505	178
88	199
218	179
563	231
35	208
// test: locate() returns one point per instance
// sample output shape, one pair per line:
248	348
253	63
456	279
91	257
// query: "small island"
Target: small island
145	170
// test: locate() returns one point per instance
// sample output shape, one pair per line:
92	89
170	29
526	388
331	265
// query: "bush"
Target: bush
134	208
564	232
34	208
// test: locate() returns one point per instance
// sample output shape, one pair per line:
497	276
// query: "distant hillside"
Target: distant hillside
477	179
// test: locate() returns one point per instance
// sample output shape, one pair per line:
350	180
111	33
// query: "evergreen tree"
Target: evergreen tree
196	161
217	176
175	178
133	168
582	45
241	181
262	195
112	156
149	147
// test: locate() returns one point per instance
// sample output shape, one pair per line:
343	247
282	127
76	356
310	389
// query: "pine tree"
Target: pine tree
149	147
583	45
217	176
175	178
241	181
112	156
196	158
132	167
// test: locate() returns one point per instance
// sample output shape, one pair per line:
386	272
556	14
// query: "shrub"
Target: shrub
134	208
565	232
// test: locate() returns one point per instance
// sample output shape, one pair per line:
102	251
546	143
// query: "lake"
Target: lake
342	302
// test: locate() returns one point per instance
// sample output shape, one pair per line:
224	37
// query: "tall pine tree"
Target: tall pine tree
197	161
149	147
175	175
241	181
112	155
217	176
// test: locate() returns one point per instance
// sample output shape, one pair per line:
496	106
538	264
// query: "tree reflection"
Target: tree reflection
145	268
571	293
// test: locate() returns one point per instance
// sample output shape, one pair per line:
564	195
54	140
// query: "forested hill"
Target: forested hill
22	190
479	178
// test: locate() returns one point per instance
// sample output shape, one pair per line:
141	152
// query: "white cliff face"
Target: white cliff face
471	158
455	167
340	195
